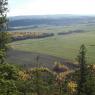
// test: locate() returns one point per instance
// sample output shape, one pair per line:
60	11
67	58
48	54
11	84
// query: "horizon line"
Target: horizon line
51	15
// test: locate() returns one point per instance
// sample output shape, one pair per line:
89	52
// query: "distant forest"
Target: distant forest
36	21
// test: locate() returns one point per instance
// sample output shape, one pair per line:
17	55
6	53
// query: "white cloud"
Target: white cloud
41	7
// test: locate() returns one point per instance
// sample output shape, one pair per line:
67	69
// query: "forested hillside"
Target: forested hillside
54	20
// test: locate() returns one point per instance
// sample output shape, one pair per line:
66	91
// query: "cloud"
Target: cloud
41	7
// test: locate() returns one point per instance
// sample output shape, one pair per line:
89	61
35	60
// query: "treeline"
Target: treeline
70	32
16	36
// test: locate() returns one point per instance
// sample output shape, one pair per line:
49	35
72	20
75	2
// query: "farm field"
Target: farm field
64	46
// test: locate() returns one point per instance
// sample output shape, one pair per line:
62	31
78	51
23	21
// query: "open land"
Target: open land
63	46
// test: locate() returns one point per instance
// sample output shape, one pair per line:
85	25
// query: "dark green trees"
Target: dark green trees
86	82
2	57
3	13
82	70
4	39
8	78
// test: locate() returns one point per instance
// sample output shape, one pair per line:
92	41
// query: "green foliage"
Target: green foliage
4	38
86	81
7	87
8	78
8	72
42	81
2	56
82	63
3	11
82	69
89	86
24	87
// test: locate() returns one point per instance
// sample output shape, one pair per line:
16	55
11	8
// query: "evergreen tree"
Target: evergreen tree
82	70
4	39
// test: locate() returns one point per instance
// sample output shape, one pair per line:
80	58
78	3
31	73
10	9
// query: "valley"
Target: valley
64	46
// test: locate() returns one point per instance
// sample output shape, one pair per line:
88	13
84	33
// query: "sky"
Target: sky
51	7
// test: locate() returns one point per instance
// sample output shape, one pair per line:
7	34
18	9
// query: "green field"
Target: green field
66	46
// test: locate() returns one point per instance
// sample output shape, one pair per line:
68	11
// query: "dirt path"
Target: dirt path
29	59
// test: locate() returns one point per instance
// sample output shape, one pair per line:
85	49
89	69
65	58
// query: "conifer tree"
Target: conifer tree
4	39
82	70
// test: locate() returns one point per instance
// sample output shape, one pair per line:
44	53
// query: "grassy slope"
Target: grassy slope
66	46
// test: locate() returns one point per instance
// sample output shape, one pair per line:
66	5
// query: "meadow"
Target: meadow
64	46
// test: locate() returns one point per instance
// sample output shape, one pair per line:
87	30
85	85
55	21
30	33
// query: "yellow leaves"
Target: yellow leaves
26	75
60	67
61	76
23	75
71	86
92	66
61	71
22	34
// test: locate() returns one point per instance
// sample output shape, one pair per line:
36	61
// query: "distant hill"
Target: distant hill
18	22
